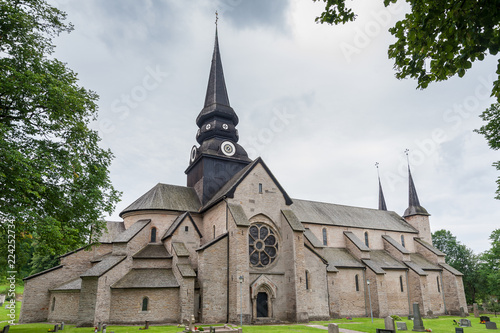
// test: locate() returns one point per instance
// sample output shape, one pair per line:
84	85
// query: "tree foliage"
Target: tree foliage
491	265
464	260
439	39
54	180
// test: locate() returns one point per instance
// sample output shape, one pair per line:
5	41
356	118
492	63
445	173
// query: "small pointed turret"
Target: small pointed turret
381	199
414	207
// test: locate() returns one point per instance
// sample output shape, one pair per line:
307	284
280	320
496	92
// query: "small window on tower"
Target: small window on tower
260	187
356	281
325	239
186	228
403	240
153	234
367	243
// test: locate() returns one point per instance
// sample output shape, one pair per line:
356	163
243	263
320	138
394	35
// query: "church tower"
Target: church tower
219	156
415	214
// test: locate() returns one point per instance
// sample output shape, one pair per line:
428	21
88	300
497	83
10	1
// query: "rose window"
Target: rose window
263	245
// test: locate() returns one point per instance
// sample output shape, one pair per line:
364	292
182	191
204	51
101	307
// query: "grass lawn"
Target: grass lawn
4	288
440	325
4	312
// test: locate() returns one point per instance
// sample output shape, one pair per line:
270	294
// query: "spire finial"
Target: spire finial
414	207
407	153
381	199
216	18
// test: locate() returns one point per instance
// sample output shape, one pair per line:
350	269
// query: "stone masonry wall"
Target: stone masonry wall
66	307
453	292
397	300
316	295
422	224
212	277
126	306
344	299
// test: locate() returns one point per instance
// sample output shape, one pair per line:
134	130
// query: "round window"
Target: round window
263	245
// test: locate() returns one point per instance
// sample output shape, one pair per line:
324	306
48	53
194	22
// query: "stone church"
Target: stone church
233	242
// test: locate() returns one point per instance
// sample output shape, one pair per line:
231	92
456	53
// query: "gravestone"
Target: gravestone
61	327
476	310
383	330
6	329
104	327
333	328
418	324
401	325
459	330
462	312
465	323
491	325
389	323
484	319
99	326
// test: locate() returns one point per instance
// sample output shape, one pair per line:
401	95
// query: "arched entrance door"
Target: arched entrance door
262	305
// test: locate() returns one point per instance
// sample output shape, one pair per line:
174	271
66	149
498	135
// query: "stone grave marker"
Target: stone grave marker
491	325
389	323
333	328
465	323
459	330
6	329
401	325
476	310
61	327
104	327
418	324
462	312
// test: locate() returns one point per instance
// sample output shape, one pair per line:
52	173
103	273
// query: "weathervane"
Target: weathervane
216	17
407	157
376	165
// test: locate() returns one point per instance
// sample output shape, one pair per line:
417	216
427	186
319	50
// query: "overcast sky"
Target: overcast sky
320	104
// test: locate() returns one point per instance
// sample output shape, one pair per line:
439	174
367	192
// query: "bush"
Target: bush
397	318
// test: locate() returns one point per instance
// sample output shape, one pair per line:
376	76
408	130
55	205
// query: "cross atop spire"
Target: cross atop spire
414	207
381	199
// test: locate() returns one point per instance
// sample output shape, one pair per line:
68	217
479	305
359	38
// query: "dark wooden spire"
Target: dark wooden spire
414	207
381	199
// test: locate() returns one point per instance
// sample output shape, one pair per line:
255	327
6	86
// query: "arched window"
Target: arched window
53	303
366	239
403	240
145	304
307	280
153	234
401	283
325	240
439	288
356	279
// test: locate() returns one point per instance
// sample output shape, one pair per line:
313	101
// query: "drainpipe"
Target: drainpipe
366	294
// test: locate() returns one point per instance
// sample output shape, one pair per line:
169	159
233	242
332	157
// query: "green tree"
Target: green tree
491	265
464	260
54	179
439	39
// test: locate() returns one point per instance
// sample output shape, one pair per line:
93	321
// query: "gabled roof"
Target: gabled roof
147	278
313	239
423	263
451	269
292	220
238	215
186	270
152	251
230	187
177	222
166	197
398	246
43	272
102	267
180	249
130	233
373	266
385	260
415	268
213	241
340	258
73	285
429	247
348	216
356	241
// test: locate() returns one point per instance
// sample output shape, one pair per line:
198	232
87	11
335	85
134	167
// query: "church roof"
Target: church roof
292	219
180	249
186	270
423	263
450	269
152	251
429	247
147	278
385	260
177	222
166	197
398	246
340	258
128	234
348	216
381	199
238	214
312	238
75	284
103	266
356	241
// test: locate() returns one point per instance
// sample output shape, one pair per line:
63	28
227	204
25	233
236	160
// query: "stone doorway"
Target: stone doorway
262	305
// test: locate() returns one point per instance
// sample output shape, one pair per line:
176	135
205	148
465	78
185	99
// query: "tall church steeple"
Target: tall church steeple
381	199
219	157
416	215
414	207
